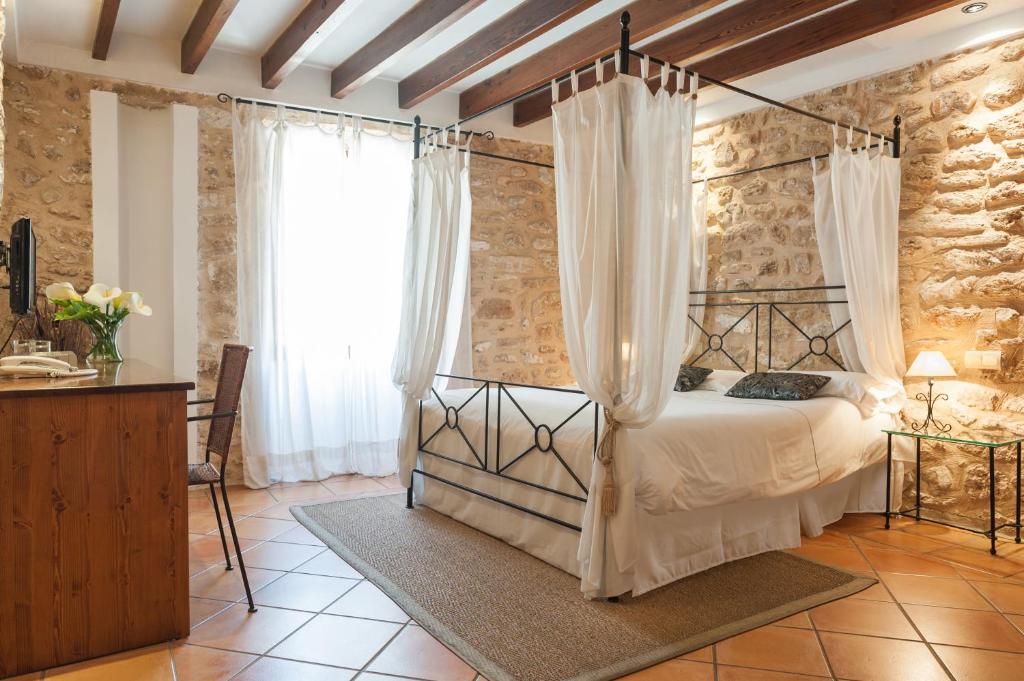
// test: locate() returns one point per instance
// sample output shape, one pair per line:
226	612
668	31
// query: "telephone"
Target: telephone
27	366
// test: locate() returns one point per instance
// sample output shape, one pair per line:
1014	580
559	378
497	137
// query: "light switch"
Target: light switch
987	360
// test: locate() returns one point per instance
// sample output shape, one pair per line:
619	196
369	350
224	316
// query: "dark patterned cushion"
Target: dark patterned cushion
778	386
690	377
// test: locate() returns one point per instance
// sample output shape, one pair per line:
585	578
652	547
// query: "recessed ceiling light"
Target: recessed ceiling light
974	7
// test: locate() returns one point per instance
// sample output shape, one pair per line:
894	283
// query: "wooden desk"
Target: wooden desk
93	516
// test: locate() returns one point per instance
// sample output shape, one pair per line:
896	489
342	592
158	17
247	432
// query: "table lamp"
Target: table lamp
931	364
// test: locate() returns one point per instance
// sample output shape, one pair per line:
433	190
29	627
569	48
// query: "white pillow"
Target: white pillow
870	395
721	380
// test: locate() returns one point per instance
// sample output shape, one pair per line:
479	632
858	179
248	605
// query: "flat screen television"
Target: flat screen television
19	256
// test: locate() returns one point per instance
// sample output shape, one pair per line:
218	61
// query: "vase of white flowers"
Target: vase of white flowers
103	309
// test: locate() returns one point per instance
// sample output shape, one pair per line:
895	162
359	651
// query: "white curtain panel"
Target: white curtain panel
698	272
321	226
856	219
623	194
434	285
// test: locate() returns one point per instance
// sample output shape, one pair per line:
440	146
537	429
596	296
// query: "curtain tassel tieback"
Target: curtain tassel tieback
606	455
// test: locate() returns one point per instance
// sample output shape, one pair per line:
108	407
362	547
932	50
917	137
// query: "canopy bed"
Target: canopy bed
622	481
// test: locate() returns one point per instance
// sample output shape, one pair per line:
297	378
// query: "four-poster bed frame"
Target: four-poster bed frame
817	345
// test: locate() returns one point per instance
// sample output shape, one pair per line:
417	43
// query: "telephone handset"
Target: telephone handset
26	366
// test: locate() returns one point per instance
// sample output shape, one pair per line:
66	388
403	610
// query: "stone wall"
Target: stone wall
517	313
48	168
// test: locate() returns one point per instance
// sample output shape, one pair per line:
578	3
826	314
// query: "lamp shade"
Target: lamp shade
931	364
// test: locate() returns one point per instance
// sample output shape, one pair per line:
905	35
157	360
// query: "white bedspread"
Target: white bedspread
715	478
705	449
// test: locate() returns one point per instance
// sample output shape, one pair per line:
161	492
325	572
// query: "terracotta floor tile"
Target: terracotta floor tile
1006	597
865	658
842	558
1017	621
146	664
674	670
416	653
312	593
902	539
968	664
799	620
202	522
828	538
869	618
301	493
339	641
26	677
330	564
918	590
222	585
263	528
705	654
888	560
245	501
858	522
971	628
209	549
202	609
366	600
299	535
272	669
875	592
354	487
950	535
248	632
278	556
390	482
369	676
199	501
981	559
193	663
726	673
278	510
774	648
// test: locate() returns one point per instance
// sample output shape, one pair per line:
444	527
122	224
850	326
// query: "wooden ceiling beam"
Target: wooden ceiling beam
595	40
518	27
425	20
811	36
311	27
105	28
206	25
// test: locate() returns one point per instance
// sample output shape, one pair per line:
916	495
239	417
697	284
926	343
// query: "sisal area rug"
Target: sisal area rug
516	618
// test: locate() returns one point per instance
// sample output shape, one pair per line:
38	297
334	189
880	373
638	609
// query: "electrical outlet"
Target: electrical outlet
986	360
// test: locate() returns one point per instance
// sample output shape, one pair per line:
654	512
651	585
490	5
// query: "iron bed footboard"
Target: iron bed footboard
487	459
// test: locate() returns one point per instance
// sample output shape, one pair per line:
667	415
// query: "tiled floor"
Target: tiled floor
943	609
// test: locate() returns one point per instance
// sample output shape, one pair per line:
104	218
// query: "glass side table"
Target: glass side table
989	441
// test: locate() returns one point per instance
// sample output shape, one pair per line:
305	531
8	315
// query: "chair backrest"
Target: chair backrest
233	359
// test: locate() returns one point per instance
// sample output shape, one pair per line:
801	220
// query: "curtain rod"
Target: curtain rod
773	166
762	98
224	97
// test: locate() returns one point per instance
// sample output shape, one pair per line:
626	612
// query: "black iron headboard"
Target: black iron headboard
766	302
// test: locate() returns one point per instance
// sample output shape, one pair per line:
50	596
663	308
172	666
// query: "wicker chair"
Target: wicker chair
218	441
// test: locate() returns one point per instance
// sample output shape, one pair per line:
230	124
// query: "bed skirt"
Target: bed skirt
670	546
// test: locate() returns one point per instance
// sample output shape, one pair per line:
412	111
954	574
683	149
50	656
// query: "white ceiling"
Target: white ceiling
56	29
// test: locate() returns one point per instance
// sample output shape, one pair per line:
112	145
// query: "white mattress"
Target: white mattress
716	478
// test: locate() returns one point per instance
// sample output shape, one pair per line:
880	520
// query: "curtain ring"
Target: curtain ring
599	72
694	84
618	61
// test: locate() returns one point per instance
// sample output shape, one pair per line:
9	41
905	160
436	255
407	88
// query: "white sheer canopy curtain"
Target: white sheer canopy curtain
623	195
856	219
321	225
434	285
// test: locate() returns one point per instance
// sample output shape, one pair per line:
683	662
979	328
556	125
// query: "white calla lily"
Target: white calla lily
132	301
62	291
101	295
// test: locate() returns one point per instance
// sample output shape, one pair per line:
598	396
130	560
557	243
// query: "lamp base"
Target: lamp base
930	423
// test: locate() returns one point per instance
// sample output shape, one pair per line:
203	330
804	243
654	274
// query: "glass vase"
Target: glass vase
104	349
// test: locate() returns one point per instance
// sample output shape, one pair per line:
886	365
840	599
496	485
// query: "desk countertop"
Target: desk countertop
129	376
